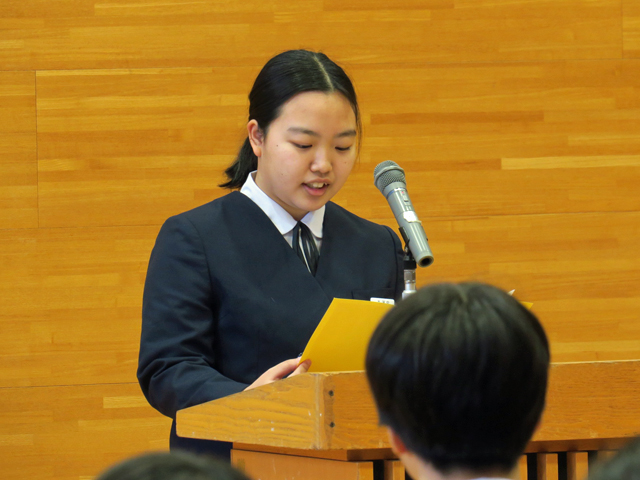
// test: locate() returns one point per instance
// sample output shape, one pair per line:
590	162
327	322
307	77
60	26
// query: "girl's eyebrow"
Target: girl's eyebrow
306	131
347	133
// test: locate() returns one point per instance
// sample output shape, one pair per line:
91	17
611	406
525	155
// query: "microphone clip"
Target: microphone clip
410	267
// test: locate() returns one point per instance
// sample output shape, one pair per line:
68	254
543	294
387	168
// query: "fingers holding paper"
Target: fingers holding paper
281	370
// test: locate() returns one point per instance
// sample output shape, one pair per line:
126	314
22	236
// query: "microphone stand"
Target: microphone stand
410	267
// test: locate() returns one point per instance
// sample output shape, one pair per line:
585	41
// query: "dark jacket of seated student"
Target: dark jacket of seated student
459	375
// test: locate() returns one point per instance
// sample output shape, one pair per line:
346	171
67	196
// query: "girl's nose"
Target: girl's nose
321	162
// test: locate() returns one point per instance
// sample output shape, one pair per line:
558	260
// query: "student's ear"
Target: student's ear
397	445
256	137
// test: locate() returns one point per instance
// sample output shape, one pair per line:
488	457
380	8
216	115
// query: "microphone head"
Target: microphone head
386	173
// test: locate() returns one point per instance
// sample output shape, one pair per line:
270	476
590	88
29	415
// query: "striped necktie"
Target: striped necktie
305	246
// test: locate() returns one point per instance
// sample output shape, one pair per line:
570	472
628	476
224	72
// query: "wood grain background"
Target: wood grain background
517	122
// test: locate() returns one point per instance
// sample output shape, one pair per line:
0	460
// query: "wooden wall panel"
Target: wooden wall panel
64	433
70	304
504	138
18	169
631	28
128	148
134	147
39	34
581	271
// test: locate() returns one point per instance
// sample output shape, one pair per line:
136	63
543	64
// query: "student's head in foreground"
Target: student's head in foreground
172	466
459	375
624	465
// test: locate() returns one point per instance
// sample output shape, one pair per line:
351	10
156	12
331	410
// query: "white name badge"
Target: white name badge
389	301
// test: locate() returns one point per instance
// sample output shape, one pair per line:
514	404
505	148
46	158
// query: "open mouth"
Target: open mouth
316	188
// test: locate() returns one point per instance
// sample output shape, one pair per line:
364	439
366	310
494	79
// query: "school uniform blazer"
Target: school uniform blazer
227	298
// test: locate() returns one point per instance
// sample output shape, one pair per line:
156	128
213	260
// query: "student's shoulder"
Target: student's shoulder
214	209
212	217
347	219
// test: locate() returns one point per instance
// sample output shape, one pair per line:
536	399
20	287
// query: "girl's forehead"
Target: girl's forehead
317	106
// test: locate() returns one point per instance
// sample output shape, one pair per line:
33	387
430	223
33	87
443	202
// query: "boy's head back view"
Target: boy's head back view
172	466
459	376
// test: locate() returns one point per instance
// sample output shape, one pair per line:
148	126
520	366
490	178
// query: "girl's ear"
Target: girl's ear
256	137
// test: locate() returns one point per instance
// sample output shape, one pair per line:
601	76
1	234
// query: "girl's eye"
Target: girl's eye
343	149
301	146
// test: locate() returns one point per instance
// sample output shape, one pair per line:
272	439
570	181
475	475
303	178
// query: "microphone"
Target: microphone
389	179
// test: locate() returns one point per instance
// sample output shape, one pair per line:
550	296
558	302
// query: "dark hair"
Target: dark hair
459	372
624	465
172	466
284	76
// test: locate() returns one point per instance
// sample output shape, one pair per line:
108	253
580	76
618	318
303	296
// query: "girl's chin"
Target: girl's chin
301	209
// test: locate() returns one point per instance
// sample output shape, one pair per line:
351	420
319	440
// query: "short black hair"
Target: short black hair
624	465
172	466
459	372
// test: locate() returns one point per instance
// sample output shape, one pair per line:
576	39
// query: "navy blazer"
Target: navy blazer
226	297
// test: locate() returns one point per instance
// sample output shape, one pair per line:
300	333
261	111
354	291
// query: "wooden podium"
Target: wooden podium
325	425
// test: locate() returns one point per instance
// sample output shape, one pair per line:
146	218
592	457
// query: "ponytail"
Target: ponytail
245	163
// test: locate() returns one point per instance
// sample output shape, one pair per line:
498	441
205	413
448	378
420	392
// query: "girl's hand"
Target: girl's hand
281	370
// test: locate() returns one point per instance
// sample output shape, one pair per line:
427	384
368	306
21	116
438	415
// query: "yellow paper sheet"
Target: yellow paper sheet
339	343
